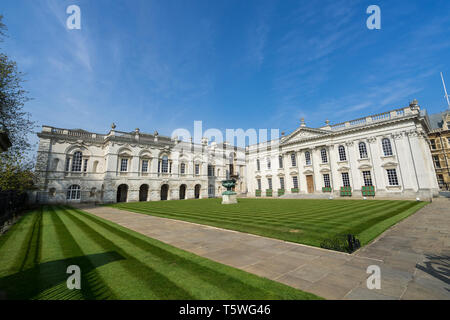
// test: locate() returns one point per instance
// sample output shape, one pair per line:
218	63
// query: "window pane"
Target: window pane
367	178
144	165
307	158
345	179
323	154
362	150
342	155
392	177
281	183
76	162
326	180
293	160
295	182
165	164
123	165
387	149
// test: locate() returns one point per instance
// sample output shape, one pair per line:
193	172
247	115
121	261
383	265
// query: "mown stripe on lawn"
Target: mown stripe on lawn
157	282
195	268
303	221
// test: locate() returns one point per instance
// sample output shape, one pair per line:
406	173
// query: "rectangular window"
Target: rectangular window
280	162
345	179
183	168
324	156
392	177
164	164
144	165
258	165
123	165
307	158
210	171
295	182
197	169
293	160
367	178
433	144
67	164
440	179
85	165
281	183
268	163
269	182
437	163
326	180
259	183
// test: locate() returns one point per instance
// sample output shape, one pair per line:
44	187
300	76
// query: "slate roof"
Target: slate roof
437	119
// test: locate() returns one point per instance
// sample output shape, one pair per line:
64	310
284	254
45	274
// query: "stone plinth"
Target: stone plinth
229	198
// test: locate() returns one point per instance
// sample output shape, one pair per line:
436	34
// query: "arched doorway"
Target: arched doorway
143	192
182	192
164	191
197	191
122	192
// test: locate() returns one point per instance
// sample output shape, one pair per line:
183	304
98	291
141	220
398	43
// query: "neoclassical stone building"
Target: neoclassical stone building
80	166
383	155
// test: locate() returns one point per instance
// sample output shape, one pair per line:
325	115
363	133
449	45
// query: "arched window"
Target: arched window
74	192
165	164
77	160
183	168
362	150
268	163
323	154
387	148
342	155
280	162
293	160
307	158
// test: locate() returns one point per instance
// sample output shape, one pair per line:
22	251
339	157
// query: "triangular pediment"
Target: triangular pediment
303	133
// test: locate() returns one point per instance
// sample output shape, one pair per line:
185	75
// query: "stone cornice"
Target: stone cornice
352	130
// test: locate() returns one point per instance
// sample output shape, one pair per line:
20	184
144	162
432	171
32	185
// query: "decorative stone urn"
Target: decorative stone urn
229	196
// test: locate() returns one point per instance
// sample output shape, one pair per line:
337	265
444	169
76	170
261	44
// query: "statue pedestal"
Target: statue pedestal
229	198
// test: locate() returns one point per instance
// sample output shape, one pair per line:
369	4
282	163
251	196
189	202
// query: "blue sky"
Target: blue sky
160	65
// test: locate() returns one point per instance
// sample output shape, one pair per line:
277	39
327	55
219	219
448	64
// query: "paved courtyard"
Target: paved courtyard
413	256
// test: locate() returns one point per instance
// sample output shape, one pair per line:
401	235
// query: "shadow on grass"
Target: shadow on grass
37	281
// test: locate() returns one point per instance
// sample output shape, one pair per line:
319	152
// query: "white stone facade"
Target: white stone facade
402	168
80	166
121	166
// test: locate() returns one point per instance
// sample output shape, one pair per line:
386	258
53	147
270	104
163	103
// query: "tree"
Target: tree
14	164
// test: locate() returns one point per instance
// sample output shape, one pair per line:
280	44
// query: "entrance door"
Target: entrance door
143	192
182	191
122	191
310	184
197	191
164	191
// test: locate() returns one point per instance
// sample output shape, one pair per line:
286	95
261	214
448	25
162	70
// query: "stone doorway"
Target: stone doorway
164	191
122	192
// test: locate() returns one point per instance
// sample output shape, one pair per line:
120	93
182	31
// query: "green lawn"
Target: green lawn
116	263
307	221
